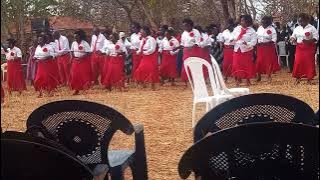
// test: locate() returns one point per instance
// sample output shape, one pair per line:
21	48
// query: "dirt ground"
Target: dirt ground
165	115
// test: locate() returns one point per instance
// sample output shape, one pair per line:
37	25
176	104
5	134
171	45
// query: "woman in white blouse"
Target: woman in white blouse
267	59
15	77
168	67
46	75
81	74
228	46
148	71
114	74
306	36
245	38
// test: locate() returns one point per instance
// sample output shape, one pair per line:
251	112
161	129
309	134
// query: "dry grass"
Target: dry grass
165	114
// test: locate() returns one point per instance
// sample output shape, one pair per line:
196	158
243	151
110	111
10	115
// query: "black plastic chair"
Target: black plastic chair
86	129
252	108
27	157
316	119
256	151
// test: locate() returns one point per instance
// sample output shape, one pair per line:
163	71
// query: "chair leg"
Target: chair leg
287	59
193	114
116	173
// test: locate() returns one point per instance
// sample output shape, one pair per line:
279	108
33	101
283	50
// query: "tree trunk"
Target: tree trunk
225	10
148	14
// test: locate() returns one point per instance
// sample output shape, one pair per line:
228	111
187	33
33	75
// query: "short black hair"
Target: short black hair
11	41
230	21
305	17
147	30
165	27
115	35
267	19
170	30
247	18
199	28
188	21
136	25
81	34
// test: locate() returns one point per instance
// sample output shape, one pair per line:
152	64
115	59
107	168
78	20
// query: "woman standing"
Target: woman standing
81	75
16	81
228	47
306	36
32	65
190	40
245	39
267	59
135	41
168	64
46	76
114	71
147	71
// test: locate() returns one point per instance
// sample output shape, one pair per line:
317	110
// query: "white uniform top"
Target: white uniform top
225	38
81	49
105	46
189	39
149	46
267	34
205	40
135	40
158	40
250	38
169	45
309	32
112	51
44	52
12	53
98	43
62	45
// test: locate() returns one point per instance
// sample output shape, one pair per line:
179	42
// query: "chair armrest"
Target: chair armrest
140	153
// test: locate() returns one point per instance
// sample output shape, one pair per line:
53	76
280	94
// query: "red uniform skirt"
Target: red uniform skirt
227	61
16	81
267	59
191	52
168	65
115	75
63	65
106	61
136	59
304	62
242	65
80	75
46	77
148	70
97	62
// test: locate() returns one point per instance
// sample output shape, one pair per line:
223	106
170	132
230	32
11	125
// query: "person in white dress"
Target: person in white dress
97	58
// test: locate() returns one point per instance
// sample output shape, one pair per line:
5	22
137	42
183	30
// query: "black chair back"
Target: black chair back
83	127
264	107
264	151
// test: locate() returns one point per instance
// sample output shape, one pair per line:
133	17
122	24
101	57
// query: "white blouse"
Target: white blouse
112	51
205	40
62	45
189	39
149	46
105	46
97	43
13	53
81	49
268	34
248	40
226	38
309	32
135	41
44	52
169	45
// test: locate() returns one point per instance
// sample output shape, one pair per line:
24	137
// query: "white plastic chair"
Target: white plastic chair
282	52
4	70
221	84
199	87
316	56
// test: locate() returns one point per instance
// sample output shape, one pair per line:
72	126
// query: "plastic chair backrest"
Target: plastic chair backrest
220	82
282	48
194	70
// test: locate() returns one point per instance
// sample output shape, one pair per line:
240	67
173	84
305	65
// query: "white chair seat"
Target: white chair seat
239	91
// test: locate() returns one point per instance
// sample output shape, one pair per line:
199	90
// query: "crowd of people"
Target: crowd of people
247	52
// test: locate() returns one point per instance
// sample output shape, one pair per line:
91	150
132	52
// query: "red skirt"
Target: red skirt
148	69
267	59
190	52
106	61
168	65
115	75
304	62
227	61
136	59
46	77
97	62
80	75
63	65
242	65
16	81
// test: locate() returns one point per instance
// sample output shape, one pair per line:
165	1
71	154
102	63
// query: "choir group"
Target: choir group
54	63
